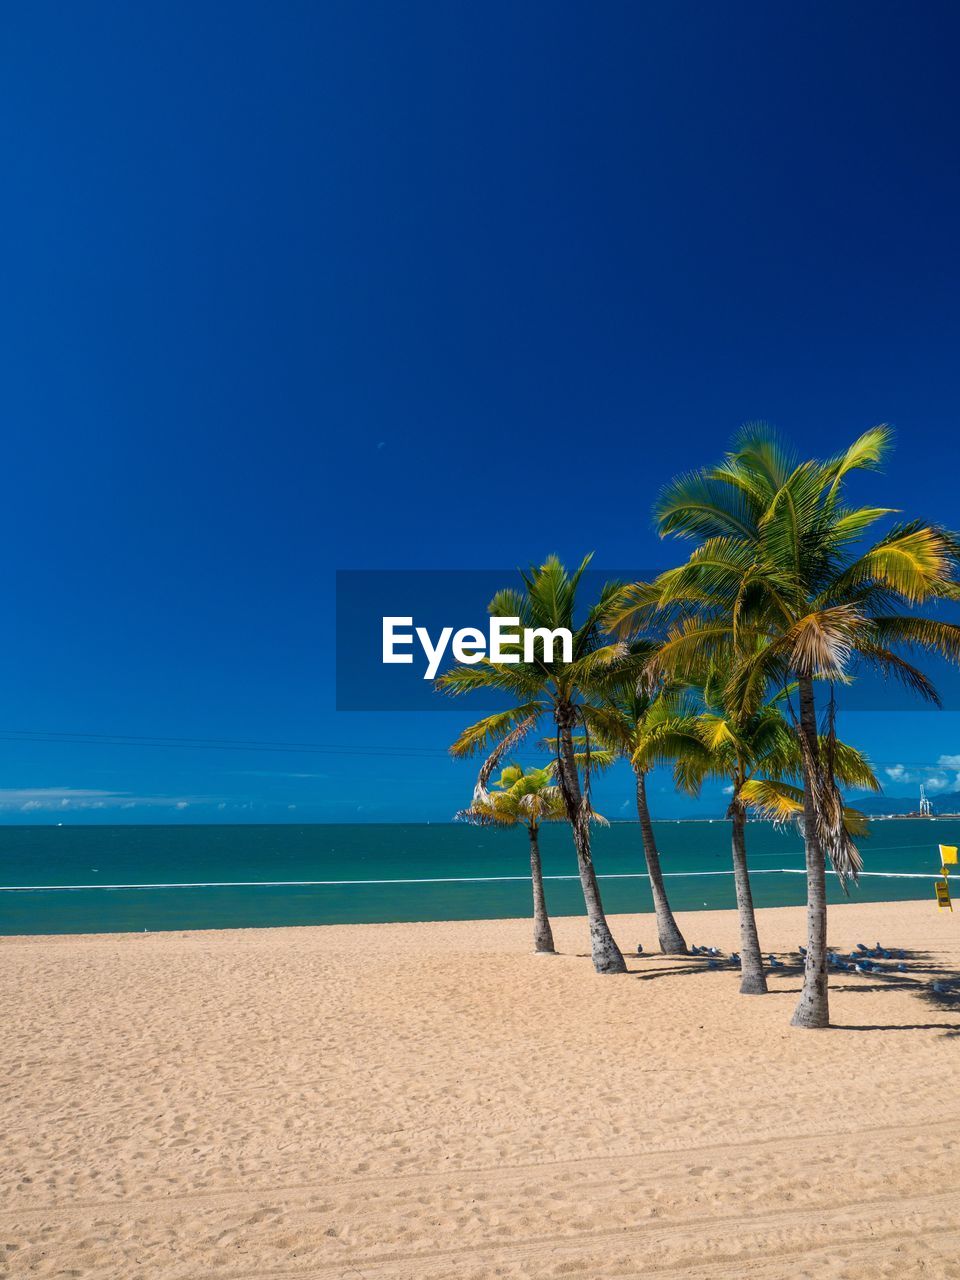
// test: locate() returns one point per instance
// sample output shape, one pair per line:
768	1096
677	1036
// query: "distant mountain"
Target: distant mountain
948	802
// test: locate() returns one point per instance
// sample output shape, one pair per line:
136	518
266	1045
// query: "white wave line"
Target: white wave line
293	884
281	884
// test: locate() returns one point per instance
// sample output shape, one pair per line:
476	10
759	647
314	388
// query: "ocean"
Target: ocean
124	878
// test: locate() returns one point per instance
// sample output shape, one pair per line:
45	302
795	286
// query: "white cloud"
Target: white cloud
935	777
45	793
34	799
728	790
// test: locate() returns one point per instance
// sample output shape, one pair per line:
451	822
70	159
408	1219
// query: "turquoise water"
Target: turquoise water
234	876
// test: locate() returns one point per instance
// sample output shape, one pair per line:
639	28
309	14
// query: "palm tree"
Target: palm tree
756	752
781	551
550	687
626	719
526	798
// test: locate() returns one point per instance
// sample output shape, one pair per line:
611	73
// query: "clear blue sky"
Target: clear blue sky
296	287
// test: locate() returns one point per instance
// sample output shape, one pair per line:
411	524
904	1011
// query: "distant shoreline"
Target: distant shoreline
402	822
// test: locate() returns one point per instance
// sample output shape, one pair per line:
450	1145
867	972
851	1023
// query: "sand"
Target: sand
434	1102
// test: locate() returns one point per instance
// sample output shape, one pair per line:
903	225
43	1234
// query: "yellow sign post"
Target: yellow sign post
948	858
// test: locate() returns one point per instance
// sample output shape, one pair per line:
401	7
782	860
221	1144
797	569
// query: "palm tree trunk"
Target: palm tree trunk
668	931
542	933
607	957
813	1009
753	980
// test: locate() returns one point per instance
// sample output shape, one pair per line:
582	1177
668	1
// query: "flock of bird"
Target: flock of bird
862	960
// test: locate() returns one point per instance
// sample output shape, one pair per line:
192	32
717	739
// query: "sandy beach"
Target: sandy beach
434	1102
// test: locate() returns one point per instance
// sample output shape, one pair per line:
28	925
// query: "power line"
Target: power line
53	737
79	738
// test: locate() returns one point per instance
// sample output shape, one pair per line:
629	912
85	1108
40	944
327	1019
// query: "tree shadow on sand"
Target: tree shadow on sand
924	977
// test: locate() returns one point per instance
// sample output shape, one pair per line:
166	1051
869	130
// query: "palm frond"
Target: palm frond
599	758
820	643
850	766
582	670
889	663
865	454
715	569
914	562
687	651
850	524
697	505
506	744
679	744
776	801
551	591
915	632
630	607
510	603
520	680
784	525
607	726
496	728
759	451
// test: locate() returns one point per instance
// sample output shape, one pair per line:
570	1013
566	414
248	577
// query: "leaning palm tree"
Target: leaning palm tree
626	718
756	752
781	551
551	687
528	798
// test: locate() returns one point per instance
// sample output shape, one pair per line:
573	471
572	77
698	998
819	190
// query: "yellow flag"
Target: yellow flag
948	853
